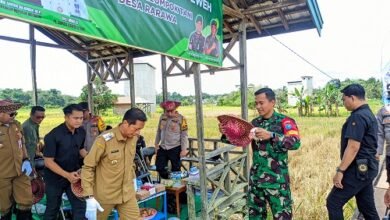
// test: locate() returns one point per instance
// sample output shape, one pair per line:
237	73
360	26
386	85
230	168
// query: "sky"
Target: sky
354	43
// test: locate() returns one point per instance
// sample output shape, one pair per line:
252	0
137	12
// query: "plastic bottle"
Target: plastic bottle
139	184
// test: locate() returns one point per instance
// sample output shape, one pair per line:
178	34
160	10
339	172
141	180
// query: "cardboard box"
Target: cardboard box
149	187
159	187
142	194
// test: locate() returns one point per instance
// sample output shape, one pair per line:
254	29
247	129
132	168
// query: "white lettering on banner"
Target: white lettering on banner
161	14
206	5
177	9
135	4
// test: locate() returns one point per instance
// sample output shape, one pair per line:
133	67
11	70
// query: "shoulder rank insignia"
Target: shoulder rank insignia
184	125
108	136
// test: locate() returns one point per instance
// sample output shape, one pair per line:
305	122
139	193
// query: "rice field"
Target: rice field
311	167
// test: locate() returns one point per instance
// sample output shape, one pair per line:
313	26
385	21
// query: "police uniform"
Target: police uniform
173	138
14	185
196	42
383	119
108	174
64	146
269	178
360	126
93	127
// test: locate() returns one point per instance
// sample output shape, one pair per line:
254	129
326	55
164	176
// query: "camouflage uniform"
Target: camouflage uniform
196	42
269	178
210	40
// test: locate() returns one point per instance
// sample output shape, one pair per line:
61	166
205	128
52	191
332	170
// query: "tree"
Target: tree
102	96
330	97
299	94
281	99
17	95
52	97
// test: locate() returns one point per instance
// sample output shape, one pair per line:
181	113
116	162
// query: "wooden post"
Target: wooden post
90	88
243	87
191	202
200	134
132	84
164	77
33	55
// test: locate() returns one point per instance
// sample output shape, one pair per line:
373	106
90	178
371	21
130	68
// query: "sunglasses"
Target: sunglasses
40	117
12	114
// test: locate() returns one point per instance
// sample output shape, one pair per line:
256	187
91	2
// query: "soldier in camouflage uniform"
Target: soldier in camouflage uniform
269	179
211	46
196	42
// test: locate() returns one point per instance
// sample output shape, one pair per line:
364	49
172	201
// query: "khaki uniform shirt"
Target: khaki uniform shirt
108	171
172	132
11	149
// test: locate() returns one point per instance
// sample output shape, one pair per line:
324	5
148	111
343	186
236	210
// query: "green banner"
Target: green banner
188	29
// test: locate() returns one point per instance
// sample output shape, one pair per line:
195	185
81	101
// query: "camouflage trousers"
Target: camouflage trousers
279	200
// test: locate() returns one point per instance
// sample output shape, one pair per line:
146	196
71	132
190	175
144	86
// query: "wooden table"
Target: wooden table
176	191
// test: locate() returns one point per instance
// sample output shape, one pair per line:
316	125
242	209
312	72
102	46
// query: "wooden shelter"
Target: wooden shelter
243	19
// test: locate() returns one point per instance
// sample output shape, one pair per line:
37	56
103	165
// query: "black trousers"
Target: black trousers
54	191
352	186
163	156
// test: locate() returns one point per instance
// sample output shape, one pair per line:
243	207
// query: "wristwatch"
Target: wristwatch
340	170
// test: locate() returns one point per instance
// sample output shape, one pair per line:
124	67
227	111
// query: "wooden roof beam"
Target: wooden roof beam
256	23
283	18
272	6
234	13
228	27
252	18
274	15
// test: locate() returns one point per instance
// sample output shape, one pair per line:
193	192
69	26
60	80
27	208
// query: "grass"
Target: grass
311	167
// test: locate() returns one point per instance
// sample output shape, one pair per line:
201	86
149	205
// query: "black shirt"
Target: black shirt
361	126
64	147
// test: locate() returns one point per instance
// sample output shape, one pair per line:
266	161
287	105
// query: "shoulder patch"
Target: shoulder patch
184	125
289	127
108	136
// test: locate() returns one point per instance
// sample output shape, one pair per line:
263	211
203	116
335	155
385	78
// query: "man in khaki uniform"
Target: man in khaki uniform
14	165
107	175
